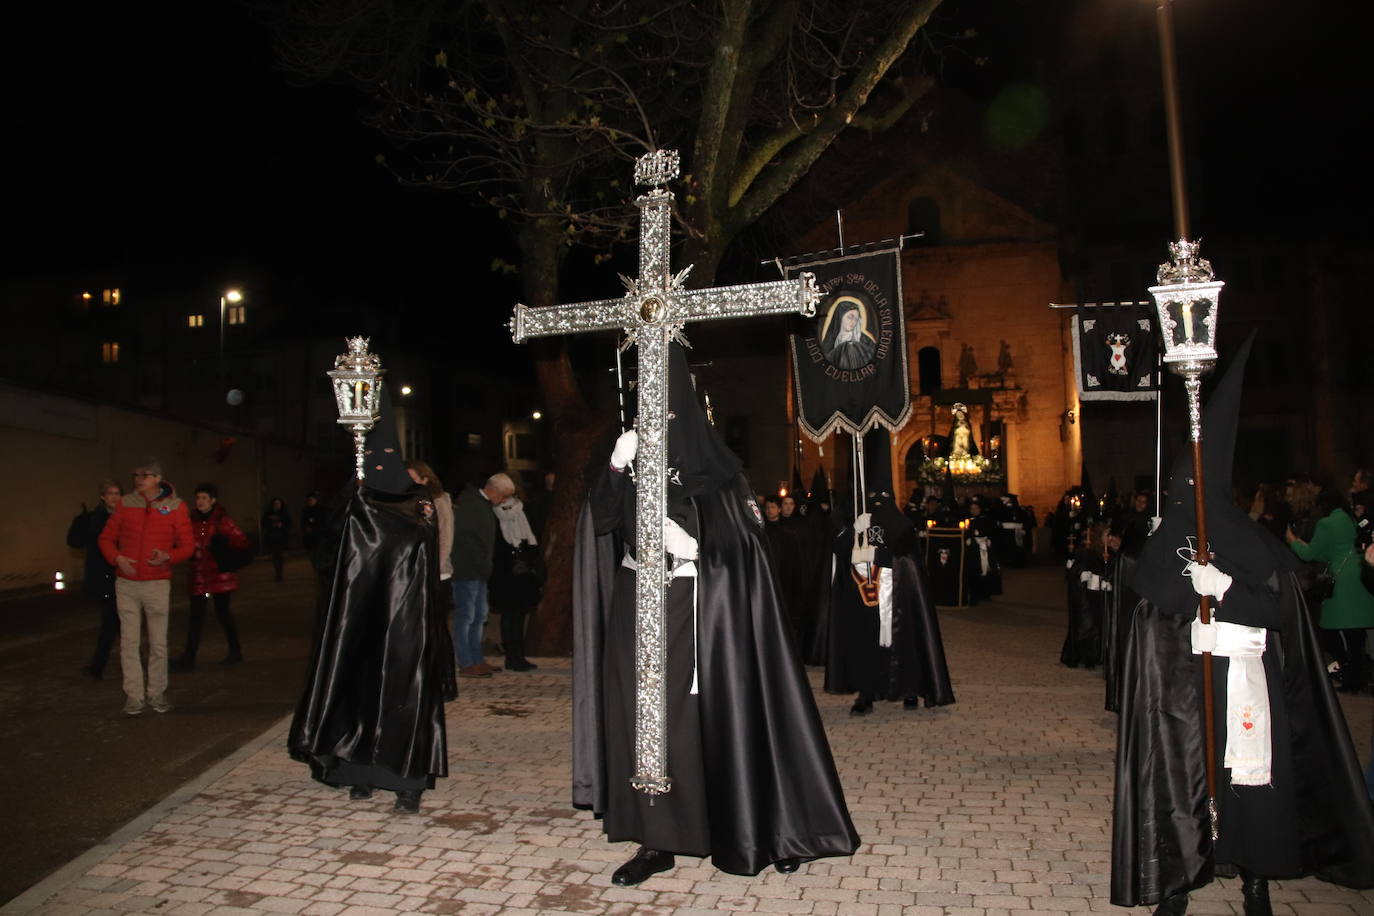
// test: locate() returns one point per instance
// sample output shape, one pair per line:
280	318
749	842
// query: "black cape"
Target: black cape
1116	624
1315	817
1087	607
381	666
1161	844
770	781
914	664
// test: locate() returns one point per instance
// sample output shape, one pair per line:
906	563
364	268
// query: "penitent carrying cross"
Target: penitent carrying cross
652	312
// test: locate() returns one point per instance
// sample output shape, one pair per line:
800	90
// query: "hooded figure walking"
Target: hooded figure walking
1290	796
885	641
381	666
753	780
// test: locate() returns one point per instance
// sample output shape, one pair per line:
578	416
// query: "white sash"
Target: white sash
1249	742
1017	529
884	601
983	563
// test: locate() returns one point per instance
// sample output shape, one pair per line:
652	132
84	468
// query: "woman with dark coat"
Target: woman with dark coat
99	581
217	539
517	579
276	528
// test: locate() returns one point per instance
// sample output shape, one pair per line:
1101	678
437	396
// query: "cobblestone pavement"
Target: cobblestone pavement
997	805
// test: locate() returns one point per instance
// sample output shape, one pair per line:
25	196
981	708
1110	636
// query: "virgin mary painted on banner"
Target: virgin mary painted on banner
846	339
850	362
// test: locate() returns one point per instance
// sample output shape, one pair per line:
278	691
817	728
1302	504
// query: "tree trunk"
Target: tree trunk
576	431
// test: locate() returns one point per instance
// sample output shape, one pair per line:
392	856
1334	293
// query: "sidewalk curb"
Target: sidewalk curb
36	896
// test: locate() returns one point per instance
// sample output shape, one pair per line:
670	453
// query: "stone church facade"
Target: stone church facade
980	332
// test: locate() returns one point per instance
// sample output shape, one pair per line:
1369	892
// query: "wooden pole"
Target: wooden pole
1193	384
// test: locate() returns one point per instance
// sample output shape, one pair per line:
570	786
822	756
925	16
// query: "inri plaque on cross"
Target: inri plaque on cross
654	309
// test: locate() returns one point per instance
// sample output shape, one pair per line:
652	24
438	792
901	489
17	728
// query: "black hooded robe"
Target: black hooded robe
914	665
381	662
1315	817
1089	595
753	779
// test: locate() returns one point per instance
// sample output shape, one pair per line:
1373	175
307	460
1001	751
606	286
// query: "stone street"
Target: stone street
999	804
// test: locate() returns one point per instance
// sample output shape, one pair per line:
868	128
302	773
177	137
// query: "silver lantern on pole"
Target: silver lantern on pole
357	377
1186	300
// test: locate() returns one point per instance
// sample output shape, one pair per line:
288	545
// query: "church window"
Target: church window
109	351
928	370
915	457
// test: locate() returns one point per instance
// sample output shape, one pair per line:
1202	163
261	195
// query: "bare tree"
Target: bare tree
538	109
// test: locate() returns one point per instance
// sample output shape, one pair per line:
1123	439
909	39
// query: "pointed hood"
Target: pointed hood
384	469
1240	546
696	452
877	466
1090	507
820	490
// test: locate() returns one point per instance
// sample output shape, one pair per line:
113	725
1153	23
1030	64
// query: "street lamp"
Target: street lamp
357	377
227	297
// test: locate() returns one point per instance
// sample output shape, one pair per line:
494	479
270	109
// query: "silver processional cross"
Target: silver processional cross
653	310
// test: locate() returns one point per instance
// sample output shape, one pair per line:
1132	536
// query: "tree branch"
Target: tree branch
757	190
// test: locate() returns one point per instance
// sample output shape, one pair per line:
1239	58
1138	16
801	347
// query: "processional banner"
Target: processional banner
1115	353
850	363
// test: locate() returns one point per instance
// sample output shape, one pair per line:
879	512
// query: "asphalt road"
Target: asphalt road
75	768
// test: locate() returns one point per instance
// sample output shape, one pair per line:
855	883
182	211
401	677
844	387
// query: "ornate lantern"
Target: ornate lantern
1187	302
357	377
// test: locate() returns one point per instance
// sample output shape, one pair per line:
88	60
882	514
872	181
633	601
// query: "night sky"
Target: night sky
159	144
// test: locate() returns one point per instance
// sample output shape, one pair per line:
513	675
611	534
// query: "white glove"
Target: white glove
677	541
625	448
863	523
1154	523
1204	635
1208	580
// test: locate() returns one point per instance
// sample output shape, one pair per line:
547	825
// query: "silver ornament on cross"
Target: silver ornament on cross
652	311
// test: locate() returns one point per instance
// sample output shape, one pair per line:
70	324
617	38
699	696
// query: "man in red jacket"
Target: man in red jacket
150	531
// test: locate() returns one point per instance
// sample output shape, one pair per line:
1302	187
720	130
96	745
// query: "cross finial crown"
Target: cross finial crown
357	357
1184	265
656	169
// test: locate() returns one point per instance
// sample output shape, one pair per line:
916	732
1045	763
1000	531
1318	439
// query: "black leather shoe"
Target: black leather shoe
519	665
861	707
787	866
911	703
358	793
408	801
1176	905
646	862
1255	892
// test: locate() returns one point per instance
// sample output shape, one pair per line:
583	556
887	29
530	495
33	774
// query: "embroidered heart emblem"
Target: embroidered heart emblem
1248	724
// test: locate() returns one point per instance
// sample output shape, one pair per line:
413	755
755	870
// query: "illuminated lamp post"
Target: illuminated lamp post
228	297
357	379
